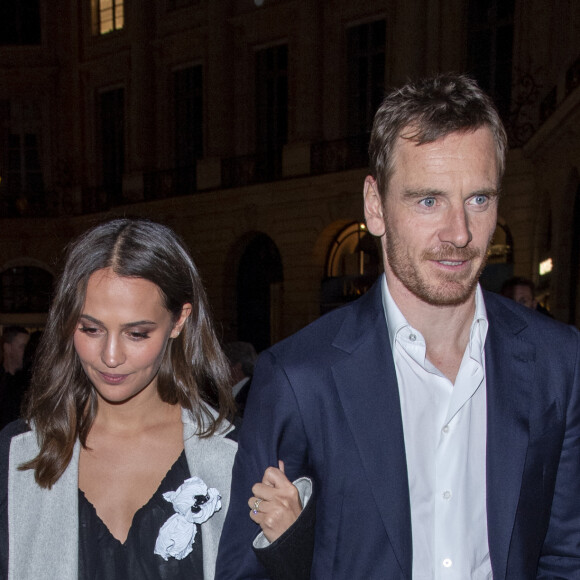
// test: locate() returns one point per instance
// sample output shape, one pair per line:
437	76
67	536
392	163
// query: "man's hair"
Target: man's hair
243	353
508	287
11	332
426	110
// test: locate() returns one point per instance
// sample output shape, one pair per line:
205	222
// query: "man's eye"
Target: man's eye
428	202
480	199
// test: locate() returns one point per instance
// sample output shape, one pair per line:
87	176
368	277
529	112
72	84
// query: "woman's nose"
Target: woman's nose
112	354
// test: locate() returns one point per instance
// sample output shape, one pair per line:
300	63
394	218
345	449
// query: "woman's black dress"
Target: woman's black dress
103	557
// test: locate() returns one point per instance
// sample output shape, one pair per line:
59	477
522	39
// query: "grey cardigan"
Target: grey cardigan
43	524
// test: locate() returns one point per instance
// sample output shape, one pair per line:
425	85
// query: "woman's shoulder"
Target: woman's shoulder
7	434
224	432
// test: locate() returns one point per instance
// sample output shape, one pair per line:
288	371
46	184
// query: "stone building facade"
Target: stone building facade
243	125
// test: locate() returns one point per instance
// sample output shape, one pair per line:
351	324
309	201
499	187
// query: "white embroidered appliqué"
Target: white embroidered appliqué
194	503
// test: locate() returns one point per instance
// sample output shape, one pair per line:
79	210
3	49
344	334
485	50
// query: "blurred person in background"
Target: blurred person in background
242	357
13	379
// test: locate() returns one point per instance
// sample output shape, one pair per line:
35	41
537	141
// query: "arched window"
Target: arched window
352	266
500	262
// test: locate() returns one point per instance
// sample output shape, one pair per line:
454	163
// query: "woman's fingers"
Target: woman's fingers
275	504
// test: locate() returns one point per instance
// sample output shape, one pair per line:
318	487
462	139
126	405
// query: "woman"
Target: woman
122	468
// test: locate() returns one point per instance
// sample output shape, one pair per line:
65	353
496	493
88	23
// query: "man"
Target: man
242	357
12	378
521	290
440	424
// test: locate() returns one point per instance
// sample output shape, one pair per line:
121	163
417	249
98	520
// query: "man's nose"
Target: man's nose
455	229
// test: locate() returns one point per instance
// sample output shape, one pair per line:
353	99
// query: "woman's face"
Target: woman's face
122	335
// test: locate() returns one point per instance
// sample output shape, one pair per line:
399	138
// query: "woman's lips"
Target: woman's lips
112	379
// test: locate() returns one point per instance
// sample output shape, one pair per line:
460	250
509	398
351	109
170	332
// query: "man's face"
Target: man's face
14	351
523	295
438	217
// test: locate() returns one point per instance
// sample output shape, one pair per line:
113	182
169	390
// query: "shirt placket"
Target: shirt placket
450	480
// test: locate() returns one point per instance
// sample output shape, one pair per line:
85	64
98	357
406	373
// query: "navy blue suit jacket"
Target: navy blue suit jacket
326	402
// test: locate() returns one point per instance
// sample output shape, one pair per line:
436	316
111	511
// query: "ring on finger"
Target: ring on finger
257	505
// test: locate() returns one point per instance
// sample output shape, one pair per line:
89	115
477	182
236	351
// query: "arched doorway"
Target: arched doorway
259	293
500	261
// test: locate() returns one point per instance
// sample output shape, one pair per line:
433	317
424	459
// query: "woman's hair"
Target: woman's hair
194	372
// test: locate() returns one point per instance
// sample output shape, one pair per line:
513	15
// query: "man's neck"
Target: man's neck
446	329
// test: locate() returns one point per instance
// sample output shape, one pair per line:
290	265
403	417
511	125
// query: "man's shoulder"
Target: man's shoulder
338	328
525	321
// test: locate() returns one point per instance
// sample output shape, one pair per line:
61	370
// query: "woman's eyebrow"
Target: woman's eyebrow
126	325
91	319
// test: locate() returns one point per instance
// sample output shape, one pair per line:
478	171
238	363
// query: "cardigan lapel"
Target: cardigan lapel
43	518
211	459
510	368
367	386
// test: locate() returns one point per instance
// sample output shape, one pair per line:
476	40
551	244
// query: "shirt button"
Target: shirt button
446	495
445	429
447	563
412	337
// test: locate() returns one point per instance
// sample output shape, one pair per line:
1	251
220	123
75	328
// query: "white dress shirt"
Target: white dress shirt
445	430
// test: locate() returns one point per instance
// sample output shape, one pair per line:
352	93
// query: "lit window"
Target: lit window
111	15
546	267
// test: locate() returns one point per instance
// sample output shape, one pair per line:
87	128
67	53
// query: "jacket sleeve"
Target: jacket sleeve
272	430
560	556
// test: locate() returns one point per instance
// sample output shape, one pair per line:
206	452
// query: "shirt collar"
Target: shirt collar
396	321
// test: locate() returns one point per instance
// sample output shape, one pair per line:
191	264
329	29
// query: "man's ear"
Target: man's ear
373	205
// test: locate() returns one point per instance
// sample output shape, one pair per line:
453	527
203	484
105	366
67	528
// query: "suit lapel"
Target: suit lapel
367	387
510	367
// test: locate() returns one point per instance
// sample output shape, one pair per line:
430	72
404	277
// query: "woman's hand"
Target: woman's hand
275	505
